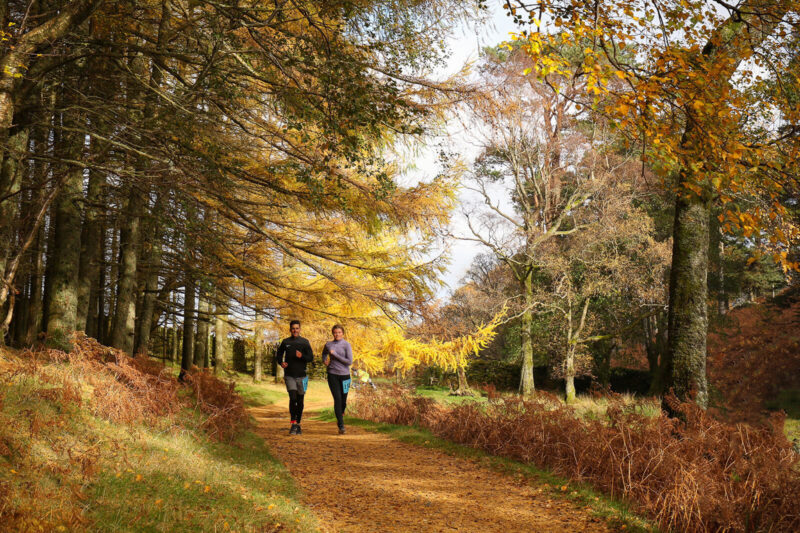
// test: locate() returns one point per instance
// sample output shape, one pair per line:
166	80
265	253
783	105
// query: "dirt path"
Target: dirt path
366	481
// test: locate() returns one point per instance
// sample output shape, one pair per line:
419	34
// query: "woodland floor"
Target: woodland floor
367	481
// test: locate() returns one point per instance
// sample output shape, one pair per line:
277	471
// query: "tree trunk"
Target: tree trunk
173	319
463	385
187	354
722	296
94	318
152	269
62	311
603	351
145	327
688	291
50	265
11	173
220	338
569	375
175	343
526	385
688	320
656	346
239	358
34	322
35	308
154	237
91	249
19	322
258	360
124	321
279	374
201	340
112	282
573	339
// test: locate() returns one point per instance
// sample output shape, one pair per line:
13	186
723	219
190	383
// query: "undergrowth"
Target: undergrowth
698	475
96	441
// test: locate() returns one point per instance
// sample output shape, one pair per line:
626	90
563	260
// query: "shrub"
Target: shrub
134	389
698	475
502	374
223	407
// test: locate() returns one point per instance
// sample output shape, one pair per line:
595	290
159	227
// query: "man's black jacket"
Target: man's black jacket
287	353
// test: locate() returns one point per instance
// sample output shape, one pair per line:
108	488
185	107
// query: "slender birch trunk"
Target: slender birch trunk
526	384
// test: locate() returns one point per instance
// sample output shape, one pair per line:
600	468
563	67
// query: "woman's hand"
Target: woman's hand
327	361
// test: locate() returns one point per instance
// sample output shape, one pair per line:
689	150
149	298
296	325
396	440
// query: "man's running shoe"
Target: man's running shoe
295	429
341	431
298	431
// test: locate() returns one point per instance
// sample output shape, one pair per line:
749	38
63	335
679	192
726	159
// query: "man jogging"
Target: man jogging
338	356
293	354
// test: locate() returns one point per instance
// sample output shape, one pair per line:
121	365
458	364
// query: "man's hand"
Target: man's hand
284	364
298	354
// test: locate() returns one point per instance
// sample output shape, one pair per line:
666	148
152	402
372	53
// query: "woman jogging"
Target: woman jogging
337	355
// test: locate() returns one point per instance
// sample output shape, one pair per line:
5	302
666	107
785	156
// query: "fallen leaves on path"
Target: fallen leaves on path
365	481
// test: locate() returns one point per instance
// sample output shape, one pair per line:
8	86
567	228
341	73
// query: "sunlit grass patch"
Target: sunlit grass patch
268	392
442	394
255	394
177	482
63	467
792	429
596	407
585	405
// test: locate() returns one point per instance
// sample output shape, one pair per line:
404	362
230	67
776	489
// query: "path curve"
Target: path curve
365	481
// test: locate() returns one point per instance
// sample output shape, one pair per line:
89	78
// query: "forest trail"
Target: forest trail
367	481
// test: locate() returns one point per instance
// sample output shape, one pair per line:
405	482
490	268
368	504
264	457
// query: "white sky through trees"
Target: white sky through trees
465	46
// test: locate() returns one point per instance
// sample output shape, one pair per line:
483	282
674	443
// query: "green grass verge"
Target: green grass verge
792	430
64	469
616	514
184	482
442	394
268	392
256	394
586	406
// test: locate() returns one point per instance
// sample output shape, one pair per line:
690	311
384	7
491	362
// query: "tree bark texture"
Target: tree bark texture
91	249
220	339
187	354
124	321
279	374
258	360
688	320
62	312
10	182
201	340
526	385
152	268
